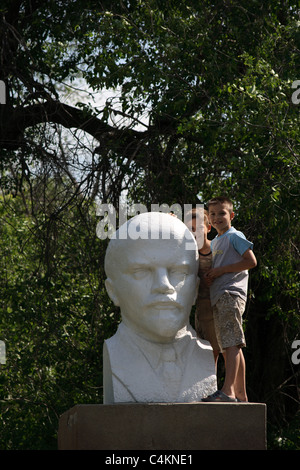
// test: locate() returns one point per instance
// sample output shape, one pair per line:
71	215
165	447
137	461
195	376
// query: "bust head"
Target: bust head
151	266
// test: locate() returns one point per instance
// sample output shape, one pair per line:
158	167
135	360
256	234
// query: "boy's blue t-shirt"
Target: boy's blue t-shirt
228	249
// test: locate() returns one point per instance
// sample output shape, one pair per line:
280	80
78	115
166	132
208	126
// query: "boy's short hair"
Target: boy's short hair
221	200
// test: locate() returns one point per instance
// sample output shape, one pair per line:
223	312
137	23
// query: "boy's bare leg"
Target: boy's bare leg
232	366
240	380
216	357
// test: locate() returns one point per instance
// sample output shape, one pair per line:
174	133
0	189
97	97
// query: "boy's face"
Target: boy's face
220	217
199	229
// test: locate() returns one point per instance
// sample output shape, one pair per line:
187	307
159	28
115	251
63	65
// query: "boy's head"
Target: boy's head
198	223
199	212
221	200
220	213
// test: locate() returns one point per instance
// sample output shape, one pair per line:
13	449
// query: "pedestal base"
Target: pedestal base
164	426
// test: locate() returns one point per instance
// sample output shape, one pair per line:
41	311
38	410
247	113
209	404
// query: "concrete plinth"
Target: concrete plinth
164	426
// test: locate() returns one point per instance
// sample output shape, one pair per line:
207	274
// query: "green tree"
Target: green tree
204	107
54	317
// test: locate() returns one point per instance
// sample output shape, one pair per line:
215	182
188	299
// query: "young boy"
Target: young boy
232	258
204	322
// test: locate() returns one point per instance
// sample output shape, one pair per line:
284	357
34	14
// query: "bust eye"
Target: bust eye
140	273
179	272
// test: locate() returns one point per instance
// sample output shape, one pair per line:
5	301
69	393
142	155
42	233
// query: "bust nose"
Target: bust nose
161	282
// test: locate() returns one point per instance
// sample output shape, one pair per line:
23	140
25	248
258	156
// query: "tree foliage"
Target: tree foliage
181	101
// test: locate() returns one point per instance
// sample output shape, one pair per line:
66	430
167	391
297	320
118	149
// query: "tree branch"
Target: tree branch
14	121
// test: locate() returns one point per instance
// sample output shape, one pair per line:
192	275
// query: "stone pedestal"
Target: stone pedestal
164	426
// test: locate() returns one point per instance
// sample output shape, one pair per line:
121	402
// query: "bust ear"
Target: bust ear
109	285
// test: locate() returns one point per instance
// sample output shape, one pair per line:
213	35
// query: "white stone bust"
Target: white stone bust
155	356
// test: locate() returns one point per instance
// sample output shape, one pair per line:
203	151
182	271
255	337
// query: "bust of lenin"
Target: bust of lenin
151	265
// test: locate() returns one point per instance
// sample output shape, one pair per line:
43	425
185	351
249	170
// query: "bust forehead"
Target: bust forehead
153	225
147	232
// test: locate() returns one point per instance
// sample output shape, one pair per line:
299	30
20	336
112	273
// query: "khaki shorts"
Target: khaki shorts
228	313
